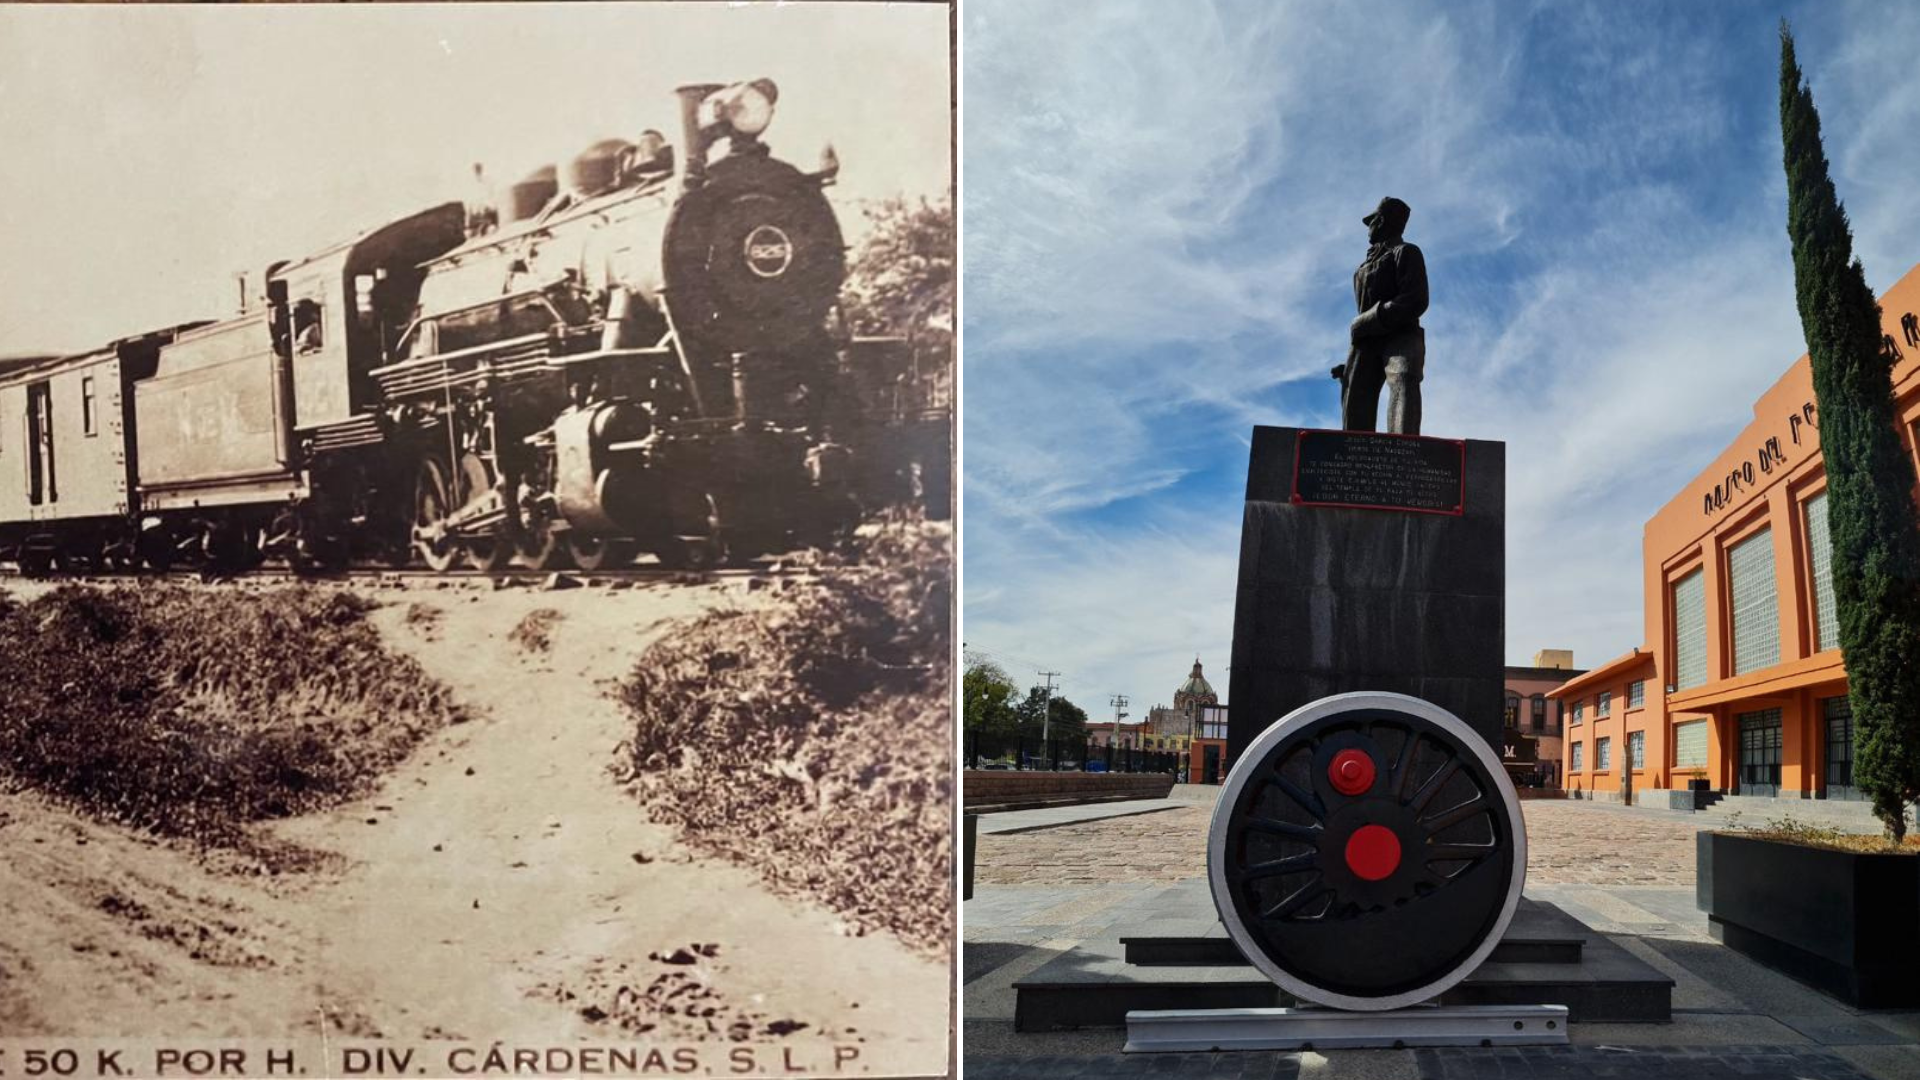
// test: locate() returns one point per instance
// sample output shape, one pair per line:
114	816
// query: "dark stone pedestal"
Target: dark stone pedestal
1340	598
1175	960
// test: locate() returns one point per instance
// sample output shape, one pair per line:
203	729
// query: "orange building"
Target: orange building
1741	682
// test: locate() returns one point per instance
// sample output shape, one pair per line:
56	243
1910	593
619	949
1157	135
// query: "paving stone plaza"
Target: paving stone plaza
1050	880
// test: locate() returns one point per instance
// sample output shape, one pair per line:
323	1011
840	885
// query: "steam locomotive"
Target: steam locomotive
638	351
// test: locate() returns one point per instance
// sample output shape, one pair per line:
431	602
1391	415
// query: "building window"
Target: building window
1539	712
1826	617
1513	710
1756	611
1637	694
89	414
1603	754
1579	760
1690	631
1690	744
1579	707
1605	704
1636	749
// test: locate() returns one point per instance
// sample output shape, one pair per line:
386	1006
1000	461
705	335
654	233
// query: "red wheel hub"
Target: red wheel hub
1373	852
1351	771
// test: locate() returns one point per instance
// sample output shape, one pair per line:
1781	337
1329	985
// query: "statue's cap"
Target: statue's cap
1393	209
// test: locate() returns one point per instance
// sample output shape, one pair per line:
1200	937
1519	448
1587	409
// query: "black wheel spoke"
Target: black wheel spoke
1403	767
1433	785
1292	864
1297	899
1308	800
1309	833
1440	852
1473	807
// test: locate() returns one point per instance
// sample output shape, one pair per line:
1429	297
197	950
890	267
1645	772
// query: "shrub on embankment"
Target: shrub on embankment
811	737
191	712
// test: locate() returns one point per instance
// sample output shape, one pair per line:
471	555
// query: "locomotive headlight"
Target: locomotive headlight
747	107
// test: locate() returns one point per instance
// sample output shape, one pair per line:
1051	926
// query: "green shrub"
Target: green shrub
812	737
191	712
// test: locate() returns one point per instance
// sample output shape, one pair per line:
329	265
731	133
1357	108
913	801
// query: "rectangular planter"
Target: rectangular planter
1844	922
967	841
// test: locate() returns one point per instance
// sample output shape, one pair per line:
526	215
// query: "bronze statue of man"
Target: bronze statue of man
1388	347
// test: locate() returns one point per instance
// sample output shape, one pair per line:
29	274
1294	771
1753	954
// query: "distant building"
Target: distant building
1197	704
1118	734
1207	754
1533	727
1195	692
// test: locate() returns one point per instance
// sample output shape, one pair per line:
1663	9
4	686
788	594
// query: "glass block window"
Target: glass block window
1605	704
1690	744
1637	694
1579	707
1603	754
1756	612
1826	617
1579	759
1636	749
1690	630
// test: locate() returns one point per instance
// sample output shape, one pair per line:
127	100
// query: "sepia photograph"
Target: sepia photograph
477	543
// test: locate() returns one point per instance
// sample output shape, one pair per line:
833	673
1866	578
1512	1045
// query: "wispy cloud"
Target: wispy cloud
1162	216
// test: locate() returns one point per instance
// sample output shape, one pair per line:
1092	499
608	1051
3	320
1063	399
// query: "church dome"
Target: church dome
1196	687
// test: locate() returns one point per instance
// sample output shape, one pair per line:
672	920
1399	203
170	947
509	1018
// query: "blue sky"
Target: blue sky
1161	219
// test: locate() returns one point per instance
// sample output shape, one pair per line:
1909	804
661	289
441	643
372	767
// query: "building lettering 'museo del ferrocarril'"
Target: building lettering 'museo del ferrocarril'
1740	682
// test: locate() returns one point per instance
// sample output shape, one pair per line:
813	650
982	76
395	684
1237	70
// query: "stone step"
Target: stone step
1093	985
1009	805
1538	934
1844	814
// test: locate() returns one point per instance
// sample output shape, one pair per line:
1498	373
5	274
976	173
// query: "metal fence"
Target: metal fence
1062	754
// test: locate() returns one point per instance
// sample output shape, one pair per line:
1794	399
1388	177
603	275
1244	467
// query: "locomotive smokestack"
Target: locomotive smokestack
691	161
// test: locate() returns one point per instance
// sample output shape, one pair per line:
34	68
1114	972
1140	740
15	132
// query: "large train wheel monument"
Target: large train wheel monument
1367	855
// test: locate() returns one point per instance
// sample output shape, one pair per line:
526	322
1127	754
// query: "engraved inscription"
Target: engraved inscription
1346	468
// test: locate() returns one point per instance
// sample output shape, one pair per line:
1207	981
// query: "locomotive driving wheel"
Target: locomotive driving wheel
592	553
1367	851
495	550
432	503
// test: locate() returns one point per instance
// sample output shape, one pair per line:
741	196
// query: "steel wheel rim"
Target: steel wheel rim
597	552
430	513
1253	766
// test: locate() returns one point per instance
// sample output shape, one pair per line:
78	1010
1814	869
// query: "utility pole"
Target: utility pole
1046	703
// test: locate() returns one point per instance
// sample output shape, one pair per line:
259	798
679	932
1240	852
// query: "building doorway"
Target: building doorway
1760	752
1839	716
1210	764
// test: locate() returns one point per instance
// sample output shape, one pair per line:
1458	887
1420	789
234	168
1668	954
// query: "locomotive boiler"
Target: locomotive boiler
634	352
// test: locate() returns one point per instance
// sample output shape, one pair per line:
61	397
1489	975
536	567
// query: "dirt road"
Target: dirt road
500	885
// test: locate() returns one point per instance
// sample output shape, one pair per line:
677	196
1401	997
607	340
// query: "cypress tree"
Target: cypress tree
1870	481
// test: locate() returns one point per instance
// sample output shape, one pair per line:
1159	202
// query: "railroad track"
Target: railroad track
510	577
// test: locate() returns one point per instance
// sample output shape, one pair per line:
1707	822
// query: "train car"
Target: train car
67	464
263	434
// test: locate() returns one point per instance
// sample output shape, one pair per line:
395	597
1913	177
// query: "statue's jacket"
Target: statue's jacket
1390	291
